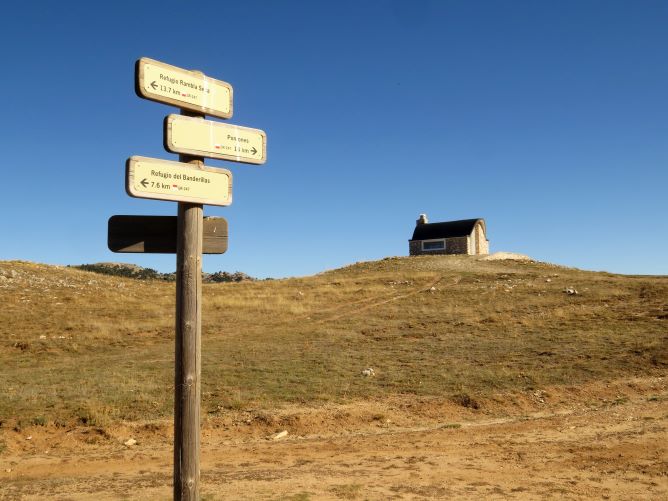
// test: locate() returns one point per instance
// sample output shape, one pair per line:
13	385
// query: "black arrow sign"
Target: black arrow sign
253	151
154	85
144	182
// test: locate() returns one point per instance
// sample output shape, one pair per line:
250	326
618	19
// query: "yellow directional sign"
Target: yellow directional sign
177	182
205	138
183	88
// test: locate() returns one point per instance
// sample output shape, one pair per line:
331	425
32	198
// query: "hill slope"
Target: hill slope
78	346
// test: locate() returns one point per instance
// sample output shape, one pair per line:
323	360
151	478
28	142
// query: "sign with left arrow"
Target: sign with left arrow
191	90
177	181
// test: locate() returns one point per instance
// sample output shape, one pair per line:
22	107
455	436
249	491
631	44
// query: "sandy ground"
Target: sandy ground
597	442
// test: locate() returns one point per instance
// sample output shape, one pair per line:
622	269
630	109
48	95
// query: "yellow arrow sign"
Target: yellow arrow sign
183	88
177	181
205	138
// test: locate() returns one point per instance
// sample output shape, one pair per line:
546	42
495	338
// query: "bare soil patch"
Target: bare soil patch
602	441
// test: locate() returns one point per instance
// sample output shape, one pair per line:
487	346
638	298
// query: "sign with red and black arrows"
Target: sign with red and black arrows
206	138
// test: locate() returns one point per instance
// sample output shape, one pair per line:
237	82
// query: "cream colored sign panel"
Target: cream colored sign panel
199	137
186	89
177	182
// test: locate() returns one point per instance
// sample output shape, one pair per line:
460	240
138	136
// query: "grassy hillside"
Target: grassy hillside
77	346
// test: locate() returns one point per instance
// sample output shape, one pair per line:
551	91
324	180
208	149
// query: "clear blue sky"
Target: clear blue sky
548	119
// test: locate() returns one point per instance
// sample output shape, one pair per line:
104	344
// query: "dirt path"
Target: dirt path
613	451
356	307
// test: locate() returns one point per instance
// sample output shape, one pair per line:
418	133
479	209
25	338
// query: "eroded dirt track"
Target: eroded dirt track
612	451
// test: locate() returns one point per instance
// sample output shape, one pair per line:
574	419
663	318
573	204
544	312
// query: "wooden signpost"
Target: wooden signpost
192	184
157	234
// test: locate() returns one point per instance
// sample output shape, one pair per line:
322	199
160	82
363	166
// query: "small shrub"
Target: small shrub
301	496
620	401
231	404
347	491
465	400
123	270
226	276
94	417
39	421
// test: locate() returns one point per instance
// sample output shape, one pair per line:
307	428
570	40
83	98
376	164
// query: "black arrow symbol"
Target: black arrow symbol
144	183
154	85
253	151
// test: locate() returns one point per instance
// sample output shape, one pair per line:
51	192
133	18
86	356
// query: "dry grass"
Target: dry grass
93	349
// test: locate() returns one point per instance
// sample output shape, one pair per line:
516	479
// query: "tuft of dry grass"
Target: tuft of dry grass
80	347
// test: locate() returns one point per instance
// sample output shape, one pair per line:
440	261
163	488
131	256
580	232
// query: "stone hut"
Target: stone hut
468	236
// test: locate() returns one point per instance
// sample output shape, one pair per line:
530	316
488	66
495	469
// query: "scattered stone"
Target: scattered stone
42	336
279	435
571	291
540	395
29	437
368	372
130	442
400	282
8	470
548	280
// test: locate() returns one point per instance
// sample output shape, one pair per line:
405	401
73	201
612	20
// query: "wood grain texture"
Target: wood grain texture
188	358
157	234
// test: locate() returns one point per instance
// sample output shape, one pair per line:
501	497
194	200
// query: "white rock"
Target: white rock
500	256
130	442
279	435
368	372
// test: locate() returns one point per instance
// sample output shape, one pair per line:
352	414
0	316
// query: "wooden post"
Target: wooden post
188	367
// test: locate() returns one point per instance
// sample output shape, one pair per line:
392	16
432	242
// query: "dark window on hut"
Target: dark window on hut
428	245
